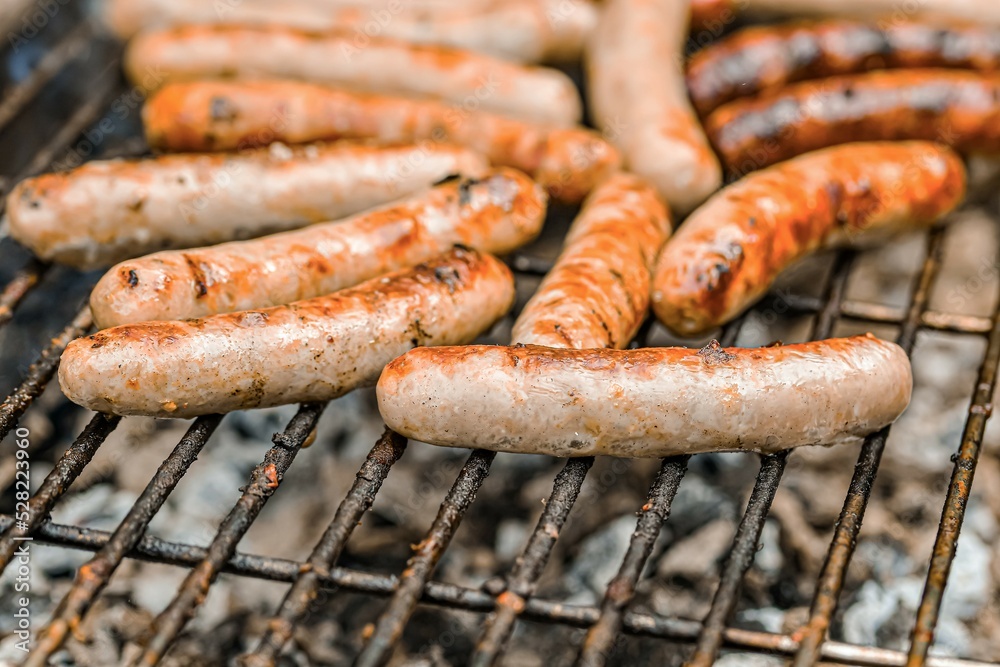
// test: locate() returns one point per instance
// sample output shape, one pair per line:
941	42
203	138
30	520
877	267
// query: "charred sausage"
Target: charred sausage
211	115
639	99
519	30
950	106
313	350
107	211
766	58
645	403
498	213
383	66
731	249
597	294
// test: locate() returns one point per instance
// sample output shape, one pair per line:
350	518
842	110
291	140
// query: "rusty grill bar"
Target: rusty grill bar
504	601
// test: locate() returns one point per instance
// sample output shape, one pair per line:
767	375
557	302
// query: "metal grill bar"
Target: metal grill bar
155	550
946	542
359	499
602	635
67	469
523	578
389	626
831	579
18	288
264	481
772	467
41	372
92	577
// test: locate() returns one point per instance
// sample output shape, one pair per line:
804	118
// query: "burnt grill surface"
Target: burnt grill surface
72	73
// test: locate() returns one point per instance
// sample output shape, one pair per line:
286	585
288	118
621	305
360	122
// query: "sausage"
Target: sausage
954	107
638	96
106	211
713	15
646	403
313	350
765	58
938	12
384	65
498	213
729	251
597	294
212	115
518	30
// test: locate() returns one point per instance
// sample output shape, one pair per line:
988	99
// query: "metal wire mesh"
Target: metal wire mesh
513	600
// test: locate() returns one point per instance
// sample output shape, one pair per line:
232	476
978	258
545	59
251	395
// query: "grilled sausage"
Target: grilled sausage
519	30
638	97
646	403
208	115
107	211
766	58
383	66
730	250
597	294
950	106
313	350
497	214
981	12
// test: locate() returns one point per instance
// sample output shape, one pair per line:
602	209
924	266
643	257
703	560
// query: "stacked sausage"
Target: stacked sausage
289	118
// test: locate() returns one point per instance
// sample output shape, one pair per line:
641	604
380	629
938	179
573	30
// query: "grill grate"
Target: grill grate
506	601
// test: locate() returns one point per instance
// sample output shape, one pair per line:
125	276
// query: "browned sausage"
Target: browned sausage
211	115
109	210
637	95
313	350
653	402
982	12
766	58
519	30
597	294
497	213
384	65
950	106
727	254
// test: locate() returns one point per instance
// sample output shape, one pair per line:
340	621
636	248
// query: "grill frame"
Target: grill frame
514	599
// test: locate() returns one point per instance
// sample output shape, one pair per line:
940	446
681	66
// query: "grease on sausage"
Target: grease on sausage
497	213
212	115
597	294
729	252
645	403
109	210
313	350
954	107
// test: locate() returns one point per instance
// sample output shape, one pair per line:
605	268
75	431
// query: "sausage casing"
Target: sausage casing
519	30
597	294
954	107
213	115
110	210
765	58
498	213
729	251
383	66
648	402
313	350
639	99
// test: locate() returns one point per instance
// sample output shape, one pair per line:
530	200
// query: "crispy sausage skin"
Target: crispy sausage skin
212	115
518	30
639	99
597	294
939	12
313	350
951	106
107	211
384	65
728	253
645	403
760	59
502	211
